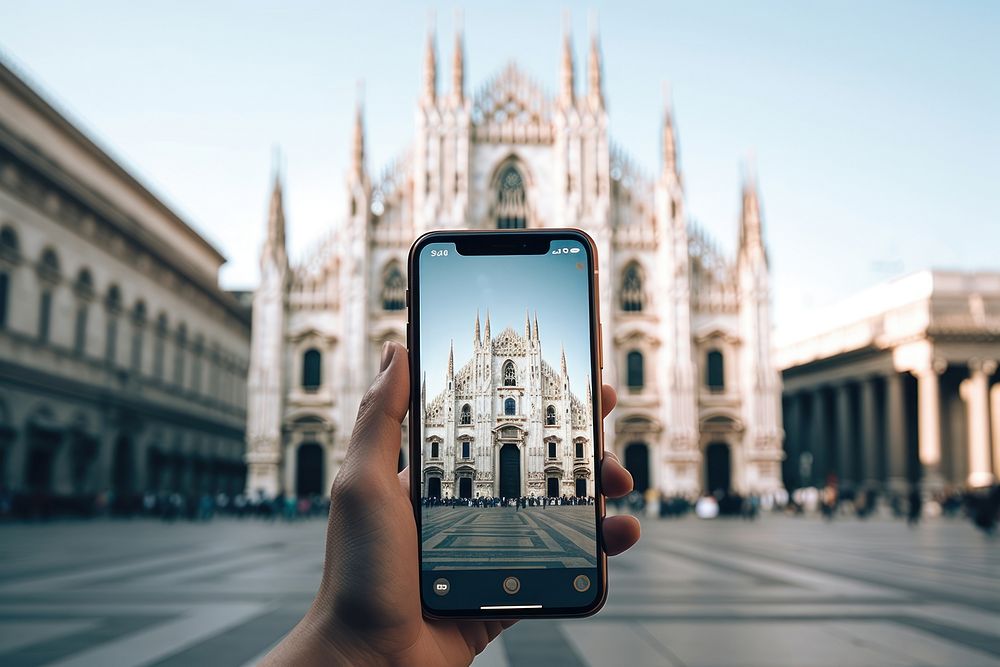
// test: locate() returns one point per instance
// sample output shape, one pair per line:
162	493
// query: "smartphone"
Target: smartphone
505	423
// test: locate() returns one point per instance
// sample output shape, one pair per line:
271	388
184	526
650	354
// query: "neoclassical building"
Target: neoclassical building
686	329
507	424
897	385
122	363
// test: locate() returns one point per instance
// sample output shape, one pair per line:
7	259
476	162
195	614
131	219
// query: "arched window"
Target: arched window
509	374
138	326
466	414
179	352
632	296
550	415
9	245
312	370
113	306
160	344
393	288
44	314
635	370
49	265
509	407
84	289
197	352
715	372
512	203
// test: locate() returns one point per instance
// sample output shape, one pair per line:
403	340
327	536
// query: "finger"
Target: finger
609	399
620	533
377	430
616	481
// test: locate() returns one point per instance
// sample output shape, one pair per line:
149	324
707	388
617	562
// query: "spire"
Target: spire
590	398
751	233
527	325
567	92
358	149
595	93
276	212
458	64
423	390
451	359
563	362
430	66
536	325
486	338
475	340
669	139
274	244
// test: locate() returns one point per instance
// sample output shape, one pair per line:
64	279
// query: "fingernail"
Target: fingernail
387	352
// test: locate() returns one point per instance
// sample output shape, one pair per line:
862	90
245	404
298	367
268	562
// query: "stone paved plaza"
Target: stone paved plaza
779	592
537	537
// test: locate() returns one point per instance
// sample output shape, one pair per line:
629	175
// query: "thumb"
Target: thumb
376	439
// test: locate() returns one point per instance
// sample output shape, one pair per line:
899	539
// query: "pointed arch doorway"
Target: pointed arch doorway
510	471
309	470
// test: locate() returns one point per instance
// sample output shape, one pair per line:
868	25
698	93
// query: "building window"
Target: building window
550	415
466	414
511	203
4	291
579	449
9	245
84	289
113	306
715	376
466	449
435	450
179	355
509	407
632	295
635	371
312	370
552	449
509	374
393	288
44	315
138	325
197	356
159	346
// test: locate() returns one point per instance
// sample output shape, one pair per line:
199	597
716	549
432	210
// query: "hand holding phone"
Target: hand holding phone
367	610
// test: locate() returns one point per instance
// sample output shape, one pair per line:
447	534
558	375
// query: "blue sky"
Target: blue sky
454	287
873	125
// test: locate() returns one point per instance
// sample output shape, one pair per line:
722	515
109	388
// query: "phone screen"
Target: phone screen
509	493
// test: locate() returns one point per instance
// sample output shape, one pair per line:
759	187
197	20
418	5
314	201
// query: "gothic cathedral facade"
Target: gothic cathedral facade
686	330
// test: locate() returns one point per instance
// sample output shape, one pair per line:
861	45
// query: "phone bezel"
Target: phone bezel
501	239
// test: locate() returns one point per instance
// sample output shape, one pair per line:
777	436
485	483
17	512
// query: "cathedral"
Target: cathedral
686	329
506	424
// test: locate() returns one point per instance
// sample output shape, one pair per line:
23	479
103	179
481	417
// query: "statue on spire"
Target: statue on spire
669	138
358	147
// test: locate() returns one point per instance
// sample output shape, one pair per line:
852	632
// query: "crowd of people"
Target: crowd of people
980	506
520	503
165	505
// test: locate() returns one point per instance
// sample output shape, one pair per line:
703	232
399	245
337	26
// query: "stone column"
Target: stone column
870	444
845	460
975	391
793	439
895	434
819	439
995	412
929	425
